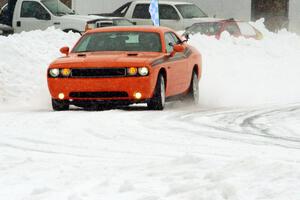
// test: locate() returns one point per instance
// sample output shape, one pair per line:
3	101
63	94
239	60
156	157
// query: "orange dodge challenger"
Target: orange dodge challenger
123	66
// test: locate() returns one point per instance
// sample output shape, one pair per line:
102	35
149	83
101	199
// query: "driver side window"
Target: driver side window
169	42
32	9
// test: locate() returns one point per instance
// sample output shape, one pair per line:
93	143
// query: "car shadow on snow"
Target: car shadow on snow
136	107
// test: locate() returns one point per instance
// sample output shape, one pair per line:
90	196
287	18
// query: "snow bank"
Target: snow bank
236	71
246	72
24	59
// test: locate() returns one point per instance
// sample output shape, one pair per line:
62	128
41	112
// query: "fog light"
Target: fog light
65	72
61	96
138	95
132	71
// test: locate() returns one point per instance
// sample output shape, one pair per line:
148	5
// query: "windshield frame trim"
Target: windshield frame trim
91	33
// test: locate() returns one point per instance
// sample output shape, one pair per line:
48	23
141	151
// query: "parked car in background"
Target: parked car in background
175	15
40	14
108	21
215	27
125	65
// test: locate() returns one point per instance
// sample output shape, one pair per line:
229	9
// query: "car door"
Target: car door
33	16
169	17
176	66
141	14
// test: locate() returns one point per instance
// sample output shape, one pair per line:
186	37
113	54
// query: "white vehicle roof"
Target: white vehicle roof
204	20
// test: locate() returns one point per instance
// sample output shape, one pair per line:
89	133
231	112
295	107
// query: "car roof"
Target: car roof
160	29
164	2
209	20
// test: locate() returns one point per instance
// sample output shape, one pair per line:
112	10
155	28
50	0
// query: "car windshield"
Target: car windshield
189	11
56	7
119	41
207	28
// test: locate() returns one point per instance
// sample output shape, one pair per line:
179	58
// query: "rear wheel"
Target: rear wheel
158	100
193	95
60	105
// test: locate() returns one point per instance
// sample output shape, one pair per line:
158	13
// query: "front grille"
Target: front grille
98	72
98	94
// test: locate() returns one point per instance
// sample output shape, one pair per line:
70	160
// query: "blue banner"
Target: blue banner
154	12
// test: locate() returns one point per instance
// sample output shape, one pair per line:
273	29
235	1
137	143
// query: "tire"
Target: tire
158	100
193	95
59	105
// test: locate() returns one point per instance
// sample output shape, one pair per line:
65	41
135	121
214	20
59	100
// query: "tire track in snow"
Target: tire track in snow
244	124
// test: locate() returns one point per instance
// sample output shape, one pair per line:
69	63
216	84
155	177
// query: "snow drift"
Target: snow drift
236	71
24	59
246	72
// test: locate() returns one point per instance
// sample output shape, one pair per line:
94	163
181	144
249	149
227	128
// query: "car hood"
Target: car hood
107	59
84	18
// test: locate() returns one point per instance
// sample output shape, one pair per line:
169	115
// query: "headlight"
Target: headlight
132	71
143	71
65	72
54	73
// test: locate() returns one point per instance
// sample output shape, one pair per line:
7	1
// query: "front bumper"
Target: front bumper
124	85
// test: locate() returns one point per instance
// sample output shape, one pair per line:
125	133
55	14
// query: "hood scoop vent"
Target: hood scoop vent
81	55
132	54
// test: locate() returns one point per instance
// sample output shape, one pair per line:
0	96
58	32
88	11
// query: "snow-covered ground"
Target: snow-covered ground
241	143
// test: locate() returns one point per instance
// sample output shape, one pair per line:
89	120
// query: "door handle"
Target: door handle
18	23
56	23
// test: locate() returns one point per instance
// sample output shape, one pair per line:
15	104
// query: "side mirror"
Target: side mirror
177	48
65	50
186	36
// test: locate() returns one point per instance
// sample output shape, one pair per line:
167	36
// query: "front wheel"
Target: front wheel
60	105
193	95
158	100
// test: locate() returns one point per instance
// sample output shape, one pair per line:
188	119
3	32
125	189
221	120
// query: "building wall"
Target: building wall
96	6
2	2
240	9
294	16
67	2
